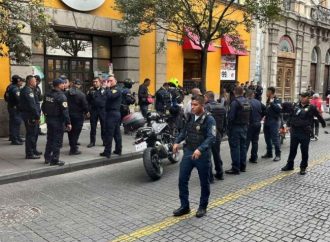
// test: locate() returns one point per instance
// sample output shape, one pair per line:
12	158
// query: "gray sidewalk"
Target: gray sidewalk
14	167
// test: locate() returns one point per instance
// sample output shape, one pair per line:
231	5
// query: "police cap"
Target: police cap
77	82
16	78
58	81
305	94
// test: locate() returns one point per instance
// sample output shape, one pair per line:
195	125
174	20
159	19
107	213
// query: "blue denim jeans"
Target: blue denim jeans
203	167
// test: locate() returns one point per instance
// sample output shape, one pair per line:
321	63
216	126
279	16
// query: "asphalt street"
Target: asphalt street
120	203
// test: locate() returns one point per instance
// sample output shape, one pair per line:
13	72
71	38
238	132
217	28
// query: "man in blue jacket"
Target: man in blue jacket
199	134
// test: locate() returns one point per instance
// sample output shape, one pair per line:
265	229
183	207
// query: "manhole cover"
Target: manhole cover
18	214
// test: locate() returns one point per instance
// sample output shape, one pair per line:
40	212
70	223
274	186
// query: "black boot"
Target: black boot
201	212
287	167
302	171
181	211
91	145
267	155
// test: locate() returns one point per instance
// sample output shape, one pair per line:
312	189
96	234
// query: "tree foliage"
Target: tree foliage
209	20
17	17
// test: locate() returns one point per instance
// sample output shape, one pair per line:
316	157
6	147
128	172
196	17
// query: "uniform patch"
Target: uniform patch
214	130
17	94
65	104
102	91
114	91
31	95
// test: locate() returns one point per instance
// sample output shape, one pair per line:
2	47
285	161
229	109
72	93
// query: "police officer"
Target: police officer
199	134
127	97
78	107
143	95
301	122
12	96
55	108
113	119
30	109
163	99
219	113
96	98
238	121
38	94
272	124
259	91
258	112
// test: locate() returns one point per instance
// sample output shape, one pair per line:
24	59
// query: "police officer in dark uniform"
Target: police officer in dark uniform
163	99
78	107
12	96
258	112
30	109
259	91
301	122
238	121
199	134
55	108
113	119
38	93
96	98
127	97
219	113
272	125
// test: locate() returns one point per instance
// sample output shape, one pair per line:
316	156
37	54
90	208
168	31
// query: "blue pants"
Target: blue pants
32	130
216	156
203	167
15	121
55	132
253	138
237	142
96	115
272	137
302	138
144	110
113	121
77	122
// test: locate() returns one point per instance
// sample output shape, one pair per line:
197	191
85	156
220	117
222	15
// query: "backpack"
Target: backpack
243	113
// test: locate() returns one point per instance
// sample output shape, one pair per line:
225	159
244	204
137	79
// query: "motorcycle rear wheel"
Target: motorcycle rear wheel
152	163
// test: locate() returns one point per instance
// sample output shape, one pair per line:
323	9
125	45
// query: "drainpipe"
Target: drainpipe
302	57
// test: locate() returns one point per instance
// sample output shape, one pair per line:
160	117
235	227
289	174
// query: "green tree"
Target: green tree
15	18
209	20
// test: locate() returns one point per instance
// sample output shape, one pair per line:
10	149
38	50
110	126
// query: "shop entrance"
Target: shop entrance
73	68
285	79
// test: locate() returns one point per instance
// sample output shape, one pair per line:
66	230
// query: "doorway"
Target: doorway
312	78
73	68
285	79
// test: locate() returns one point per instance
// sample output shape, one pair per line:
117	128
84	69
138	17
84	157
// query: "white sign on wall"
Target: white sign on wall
228	68
84	5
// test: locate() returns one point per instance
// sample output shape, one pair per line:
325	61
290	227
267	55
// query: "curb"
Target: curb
58	170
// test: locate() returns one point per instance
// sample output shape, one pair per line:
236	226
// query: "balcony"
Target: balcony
321	14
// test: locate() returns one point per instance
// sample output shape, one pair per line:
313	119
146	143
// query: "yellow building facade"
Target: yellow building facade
137	59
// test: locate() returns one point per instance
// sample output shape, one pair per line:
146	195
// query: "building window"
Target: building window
286	44
314	56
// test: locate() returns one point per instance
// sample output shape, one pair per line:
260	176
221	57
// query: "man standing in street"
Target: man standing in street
272	125
163	99
30	109
55	108
113	119
143	95
96	98
259	91
38	94
12	96
199	133
238	121
301	122
258	111
218	112
78	107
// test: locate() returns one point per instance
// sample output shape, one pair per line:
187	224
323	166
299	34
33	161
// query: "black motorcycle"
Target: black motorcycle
156	141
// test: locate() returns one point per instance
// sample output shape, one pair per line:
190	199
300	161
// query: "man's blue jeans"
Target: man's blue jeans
272	137
237	142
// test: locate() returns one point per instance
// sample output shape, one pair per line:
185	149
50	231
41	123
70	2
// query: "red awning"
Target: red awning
188	44
227	49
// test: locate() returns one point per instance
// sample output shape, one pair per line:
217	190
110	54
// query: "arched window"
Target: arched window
315	56
286	44
327	58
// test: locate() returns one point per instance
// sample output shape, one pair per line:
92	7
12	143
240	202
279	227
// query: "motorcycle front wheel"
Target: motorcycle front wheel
152	163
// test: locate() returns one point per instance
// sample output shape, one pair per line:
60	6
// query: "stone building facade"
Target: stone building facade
294	53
